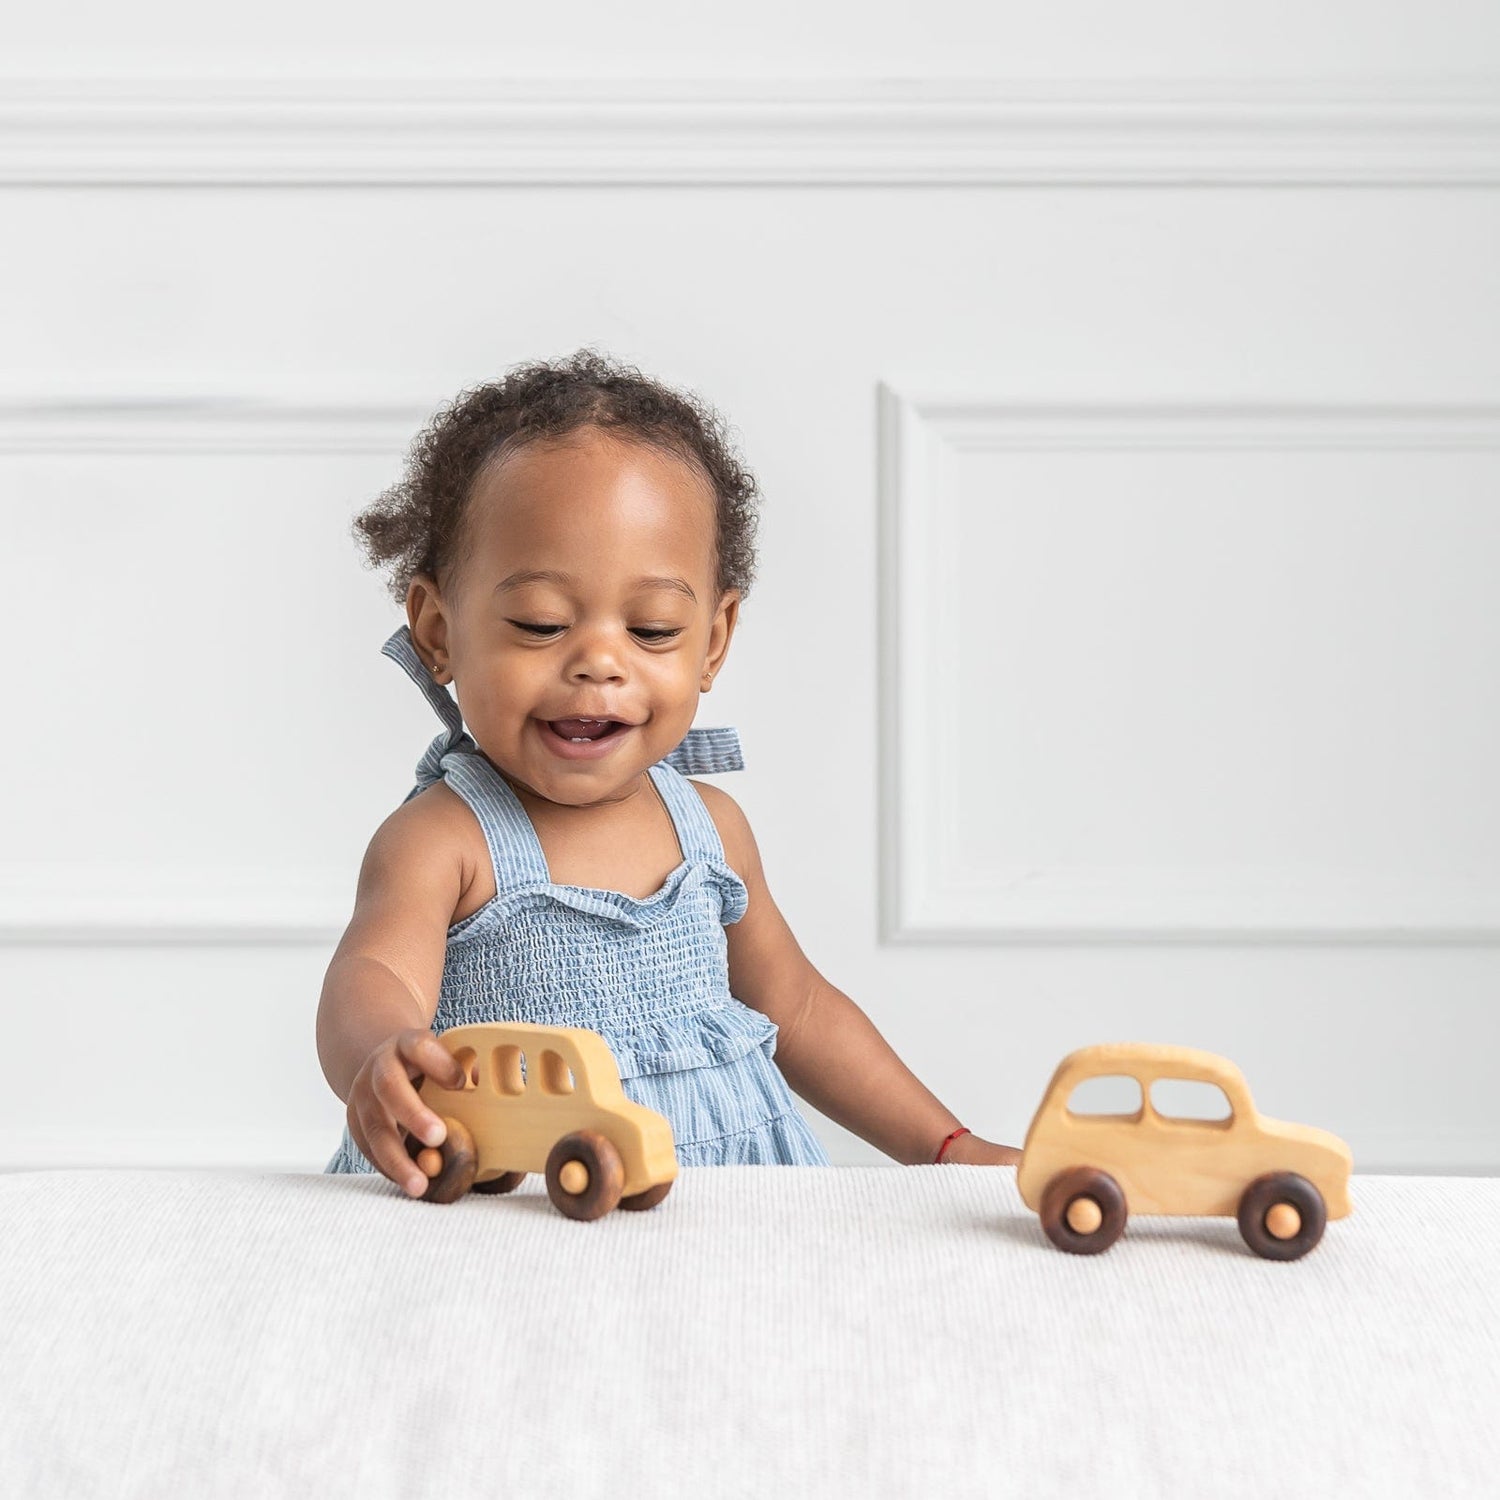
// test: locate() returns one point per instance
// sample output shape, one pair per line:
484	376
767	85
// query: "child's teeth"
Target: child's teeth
568	729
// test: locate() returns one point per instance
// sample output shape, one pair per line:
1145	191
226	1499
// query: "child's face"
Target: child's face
607	637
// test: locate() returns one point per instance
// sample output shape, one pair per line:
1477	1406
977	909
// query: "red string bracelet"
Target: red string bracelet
948	1140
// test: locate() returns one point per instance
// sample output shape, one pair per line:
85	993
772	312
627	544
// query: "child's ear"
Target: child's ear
428	624
719	635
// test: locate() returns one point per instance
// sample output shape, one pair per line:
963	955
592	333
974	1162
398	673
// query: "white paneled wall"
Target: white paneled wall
1240	748
1125	391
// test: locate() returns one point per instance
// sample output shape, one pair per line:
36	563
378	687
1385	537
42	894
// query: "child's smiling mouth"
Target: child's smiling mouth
582	739
584	729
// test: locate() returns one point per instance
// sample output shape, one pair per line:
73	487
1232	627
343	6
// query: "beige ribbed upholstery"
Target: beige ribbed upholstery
766	1332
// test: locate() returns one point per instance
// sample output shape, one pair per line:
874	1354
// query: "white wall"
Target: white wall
1126	395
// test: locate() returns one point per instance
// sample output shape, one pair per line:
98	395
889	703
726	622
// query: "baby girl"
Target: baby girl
572	545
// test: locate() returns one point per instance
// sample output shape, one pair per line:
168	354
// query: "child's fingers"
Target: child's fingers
387	1150
431	1058
394	1091
437	1062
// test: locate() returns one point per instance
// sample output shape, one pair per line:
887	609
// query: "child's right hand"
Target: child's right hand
383	1100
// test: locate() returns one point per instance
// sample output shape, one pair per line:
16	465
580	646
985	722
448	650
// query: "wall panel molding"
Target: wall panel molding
713	131
71	424
68	903
63	906
926	896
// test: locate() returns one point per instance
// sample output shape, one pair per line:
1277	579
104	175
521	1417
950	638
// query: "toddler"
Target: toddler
572	545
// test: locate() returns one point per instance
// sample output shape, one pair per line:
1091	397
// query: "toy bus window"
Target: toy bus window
465	1058
1190	1099
509	1070
1108	1094
556	1076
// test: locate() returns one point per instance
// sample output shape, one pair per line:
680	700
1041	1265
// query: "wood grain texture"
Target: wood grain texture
1167	1165
569	1085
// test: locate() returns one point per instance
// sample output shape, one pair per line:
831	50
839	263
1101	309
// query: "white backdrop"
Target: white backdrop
1126	396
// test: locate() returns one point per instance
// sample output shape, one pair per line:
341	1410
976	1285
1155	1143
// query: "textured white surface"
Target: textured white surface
765	1332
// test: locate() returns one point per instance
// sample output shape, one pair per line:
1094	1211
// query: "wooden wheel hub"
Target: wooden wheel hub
1283	1221
1084	1216
574	1177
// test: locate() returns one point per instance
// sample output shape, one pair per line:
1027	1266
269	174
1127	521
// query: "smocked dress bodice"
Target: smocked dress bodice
649	974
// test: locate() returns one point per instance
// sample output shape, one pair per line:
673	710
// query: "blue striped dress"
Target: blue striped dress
650	975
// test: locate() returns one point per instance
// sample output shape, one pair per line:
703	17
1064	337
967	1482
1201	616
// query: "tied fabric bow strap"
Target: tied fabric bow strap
705	751
702	752
430	768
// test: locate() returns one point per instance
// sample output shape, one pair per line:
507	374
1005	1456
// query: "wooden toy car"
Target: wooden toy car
1083	1173
544	1099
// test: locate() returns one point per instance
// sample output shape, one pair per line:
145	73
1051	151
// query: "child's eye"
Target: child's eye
645	632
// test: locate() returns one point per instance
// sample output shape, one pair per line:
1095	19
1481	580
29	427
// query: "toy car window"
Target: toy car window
1189	1099
556	1075
509	1070
1108	1094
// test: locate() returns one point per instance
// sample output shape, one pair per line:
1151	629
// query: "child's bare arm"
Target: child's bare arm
380	992
829	1050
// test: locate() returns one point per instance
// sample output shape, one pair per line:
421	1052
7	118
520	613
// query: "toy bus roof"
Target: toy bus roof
578	1047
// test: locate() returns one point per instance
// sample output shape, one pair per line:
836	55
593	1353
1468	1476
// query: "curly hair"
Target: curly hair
418	525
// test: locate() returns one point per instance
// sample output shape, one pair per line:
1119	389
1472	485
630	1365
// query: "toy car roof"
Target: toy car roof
1147	1060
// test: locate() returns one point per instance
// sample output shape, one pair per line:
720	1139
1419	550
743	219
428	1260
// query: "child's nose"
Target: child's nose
597	657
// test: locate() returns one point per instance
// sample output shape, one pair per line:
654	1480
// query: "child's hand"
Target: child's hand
975	1151
383	1099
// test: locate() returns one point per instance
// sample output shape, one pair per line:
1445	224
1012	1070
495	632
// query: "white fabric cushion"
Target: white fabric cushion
767	1331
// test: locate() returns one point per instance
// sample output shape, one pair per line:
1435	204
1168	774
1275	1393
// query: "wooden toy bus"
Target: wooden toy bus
544	1099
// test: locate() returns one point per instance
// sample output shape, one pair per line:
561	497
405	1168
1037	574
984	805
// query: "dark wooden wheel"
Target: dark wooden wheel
1072	1198
584	1175
649	1199
1282	1216
460	1163
506	1182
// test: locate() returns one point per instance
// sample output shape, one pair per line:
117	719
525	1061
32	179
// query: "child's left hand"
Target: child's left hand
975	1151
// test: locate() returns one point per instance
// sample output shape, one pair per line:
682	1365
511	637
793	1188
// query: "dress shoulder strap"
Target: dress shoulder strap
696	831
454	757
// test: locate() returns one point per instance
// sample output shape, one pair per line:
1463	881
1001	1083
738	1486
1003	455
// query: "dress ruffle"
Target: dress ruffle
703	1039
784	1141
615	906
